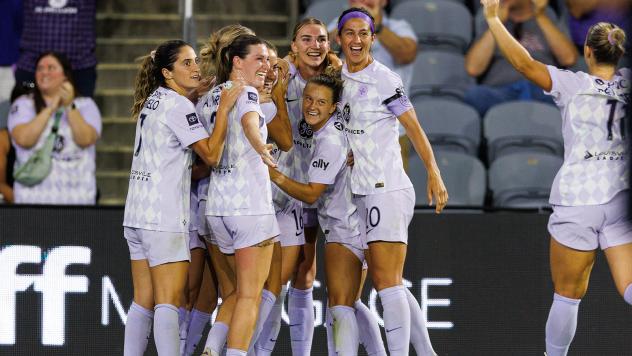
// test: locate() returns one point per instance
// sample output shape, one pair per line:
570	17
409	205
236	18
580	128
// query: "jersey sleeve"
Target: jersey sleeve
564	84
248	101
328	158
21	112
392	95
269	111
184	123
90	113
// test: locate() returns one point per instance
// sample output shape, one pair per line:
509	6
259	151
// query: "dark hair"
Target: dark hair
149	76
355	9
607	42
330	79
40	104
209	54
271	46
240	47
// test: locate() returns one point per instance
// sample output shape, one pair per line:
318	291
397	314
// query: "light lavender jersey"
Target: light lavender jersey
240	184
595	153
194	219
160	178
295	162
72	178
206	110
337	215
371	102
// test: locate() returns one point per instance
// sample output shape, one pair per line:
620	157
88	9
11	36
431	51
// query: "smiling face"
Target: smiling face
185	75
311	45
356	40
49	75
254	67
318	104
273	73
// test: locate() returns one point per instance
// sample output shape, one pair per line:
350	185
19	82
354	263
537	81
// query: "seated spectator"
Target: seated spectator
582	14
395	43
72	178
499	81
67	27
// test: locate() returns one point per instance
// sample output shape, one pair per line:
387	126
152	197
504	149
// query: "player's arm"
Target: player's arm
5	189
515	53
308	193
562	47
422	146
200	170
250	124
211	149
280	128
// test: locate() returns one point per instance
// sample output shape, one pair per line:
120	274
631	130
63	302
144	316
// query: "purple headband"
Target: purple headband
612	41
355	15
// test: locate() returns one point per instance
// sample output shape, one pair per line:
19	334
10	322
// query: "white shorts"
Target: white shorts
195	241
237	232
291	228
386	216
587	227
354	245
157	247
203	228
310	217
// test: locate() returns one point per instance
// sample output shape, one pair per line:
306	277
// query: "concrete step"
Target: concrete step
114	157
112	187
114	102
116	75
199	6
118	131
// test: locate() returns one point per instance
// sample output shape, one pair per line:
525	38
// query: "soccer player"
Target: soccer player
157	208
372	104
589	192
239	208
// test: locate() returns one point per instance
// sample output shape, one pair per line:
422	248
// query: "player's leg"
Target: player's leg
203	309
616	240
570	270
141	314
194	280
368	327
620	262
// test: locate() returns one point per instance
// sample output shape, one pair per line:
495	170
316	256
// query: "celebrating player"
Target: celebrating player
372	104
590	189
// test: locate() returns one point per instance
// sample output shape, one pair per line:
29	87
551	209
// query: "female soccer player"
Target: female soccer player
157	208
589	192
239	209
372	103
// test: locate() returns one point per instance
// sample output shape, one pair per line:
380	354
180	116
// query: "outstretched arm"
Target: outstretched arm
515	53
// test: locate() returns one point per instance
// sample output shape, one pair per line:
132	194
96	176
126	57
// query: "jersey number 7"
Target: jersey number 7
140	136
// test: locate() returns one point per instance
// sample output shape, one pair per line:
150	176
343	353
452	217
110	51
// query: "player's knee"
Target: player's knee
341	299
385	279
571	290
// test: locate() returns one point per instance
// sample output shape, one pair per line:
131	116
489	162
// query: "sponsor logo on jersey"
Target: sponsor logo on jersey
192	119
288	100
252	96
338	125
345	114
304	129
140	175
320	164
605	156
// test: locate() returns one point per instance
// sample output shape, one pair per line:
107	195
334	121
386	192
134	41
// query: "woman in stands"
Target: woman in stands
72	178
157	208
589	192
372	104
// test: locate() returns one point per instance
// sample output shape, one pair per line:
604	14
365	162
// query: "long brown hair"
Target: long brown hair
149	76
218	40
40	104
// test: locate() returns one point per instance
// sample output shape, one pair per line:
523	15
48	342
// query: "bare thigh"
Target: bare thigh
143	288
570	269
620	262
344	275
386	263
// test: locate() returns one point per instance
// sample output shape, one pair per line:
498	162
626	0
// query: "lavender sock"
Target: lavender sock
166	330
369	330
627	296
396	319
561	325
137	330
198	322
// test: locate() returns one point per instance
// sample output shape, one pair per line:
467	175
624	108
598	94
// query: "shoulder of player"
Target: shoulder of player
331	134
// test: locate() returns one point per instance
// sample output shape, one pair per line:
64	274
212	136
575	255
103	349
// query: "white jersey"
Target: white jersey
206	109
72	178
595	154
160	178
372	100
337	214
295	162
240	184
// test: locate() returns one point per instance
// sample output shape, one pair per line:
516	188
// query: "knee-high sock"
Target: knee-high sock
301	313
627	296
198	322
235	352
268	300
137	330
216	338
369	330
166	330
329	328
418	331
270	330
396	319
183	323
345	330
561	325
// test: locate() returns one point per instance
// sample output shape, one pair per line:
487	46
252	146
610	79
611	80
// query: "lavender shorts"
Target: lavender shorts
385	216
291	228
157	247
237	232
587	227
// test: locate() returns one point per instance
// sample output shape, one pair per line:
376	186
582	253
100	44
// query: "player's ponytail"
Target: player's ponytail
210	53
607	42
149	76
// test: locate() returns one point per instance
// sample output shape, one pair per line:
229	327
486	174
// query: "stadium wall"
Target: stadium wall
483	280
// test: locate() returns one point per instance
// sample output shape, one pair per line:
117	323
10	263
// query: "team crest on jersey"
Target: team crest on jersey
192	119
305	130
345	114
252	96
338	125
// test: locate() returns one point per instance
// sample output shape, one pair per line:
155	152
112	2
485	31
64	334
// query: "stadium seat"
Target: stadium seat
523	180
520	126
326	10
450	125
463	176
439	24
439	73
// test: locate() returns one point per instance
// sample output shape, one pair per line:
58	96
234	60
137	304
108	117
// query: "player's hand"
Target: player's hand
280	88
350	160
437	189
67	94
334	61
267	157
491	8
228	97
539	6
